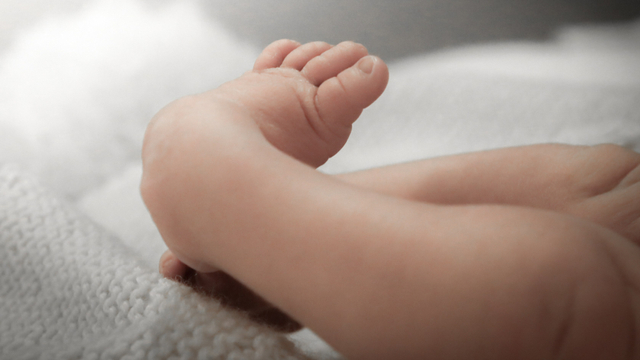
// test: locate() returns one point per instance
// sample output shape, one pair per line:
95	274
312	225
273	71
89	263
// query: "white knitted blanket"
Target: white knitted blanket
79	251
70	290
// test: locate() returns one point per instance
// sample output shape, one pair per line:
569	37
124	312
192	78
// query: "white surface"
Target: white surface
76	91
15	15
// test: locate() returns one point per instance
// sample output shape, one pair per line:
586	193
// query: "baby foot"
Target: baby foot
304	98
301	99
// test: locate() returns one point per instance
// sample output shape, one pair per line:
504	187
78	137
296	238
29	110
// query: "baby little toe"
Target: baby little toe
273	55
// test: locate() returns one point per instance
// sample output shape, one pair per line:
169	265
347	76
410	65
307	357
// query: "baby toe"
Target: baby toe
172	268
273	55
341	99
299	57
333	61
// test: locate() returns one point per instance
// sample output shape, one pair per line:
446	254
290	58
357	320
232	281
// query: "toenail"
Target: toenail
366	64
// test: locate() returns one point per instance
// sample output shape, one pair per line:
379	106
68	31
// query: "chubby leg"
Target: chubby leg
380	277
600	183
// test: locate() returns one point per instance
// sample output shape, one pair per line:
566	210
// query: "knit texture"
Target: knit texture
70	290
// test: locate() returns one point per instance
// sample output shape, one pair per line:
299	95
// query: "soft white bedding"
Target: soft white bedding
79	258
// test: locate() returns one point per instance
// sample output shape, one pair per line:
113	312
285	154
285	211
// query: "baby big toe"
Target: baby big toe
341	99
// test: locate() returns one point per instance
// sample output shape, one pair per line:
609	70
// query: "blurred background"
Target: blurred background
389	28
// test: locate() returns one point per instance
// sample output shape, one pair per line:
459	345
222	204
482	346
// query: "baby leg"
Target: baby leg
597	183
600	184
